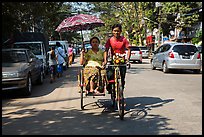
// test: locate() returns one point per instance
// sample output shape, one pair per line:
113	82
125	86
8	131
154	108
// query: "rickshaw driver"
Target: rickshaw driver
118	45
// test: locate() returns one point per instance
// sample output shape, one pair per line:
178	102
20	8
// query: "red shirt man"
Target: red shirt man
118	45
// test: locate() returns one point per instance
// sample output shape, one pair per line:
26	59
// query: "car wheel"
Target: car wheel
165	68
196	71
28	88
46	71
152	66
40	79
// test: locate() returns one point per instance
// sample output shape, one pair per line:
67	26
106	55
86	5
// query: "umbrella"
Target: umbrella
79	22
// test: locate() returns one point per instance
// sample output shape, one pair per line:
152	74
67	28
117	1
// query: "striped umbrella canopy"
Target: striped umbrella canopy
79	22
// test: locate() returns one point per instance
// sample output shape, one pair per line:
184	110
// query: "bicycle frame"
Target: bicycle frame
117	94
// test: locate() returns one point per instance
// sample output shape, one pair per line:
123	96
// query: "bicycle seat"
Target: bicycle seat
111	81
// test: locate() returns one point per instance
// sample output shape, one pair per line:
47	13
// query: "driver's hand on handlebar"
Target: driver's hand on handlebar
104	64
128	62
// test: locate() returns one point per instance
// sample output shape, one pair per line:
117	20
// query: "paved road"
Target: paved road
157	104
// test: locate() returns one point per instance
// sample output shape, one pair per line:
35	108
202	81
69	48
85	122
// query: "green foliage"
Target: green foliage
23	16
198	37
46	16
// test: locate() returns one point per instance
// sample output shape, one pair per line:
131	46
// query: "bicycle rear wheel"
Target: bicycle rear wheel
81	84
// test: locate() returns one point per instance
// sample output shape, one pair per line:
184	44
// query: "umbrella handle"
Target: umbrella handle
83	46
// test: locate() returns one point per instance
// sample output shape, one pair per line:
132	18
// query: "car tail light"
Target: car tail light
140	52
198	56
171	54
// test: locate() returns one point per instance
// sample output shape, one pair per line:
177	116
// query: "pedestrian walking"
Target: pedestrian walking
70	50
52	60
60	59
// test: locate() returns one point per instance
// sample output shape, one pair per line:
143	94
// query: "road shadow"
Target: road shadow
73	121
179	71
137	70
138	106
144	62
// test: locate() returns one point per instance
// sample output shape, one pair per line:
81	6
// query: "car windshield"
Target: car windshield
34	47
199	49
182	49
134	49
13	56
143	48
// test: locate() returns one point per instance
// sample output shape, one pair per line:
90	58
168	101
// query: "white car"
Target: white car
175	55
136	54
145	51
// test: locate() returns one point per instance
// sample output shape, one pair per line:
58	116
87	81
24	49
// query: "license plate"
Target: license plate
186	57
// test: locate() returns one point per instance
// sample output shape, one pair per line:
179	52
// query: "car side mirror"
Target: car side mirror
32	59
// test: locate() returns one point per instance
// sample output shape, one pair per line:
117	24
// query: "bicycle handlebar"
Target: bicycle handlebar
127	65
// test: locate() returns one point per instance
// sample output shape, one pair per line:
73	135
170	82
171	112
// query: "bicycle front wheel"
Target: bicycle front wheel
113	96
120	99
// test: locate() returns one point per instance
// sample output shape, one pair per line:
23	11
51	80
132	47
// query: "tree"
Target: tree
29	16
175	14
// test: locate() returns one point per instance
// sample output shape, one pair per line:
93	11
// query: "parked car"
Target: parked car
145	51
20	69
136	54
200	51
37	42
175	55
38	49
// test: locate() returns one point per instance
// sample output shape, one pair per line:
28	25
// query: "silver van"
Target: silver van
175	55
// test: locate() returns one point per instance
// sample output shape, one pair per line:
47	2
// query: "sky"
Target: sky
78	6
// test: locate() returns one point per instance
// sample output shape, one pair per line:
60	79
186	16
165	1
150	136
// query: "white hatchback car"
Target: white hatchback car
145	51
136	54
175	55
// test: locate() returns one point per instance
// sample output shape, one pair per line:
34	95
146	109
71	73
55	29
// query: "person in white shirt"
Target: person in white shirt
60	58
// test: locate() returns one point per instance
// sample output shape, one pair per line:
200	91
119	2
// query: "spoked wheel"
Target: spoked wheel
120	99
81	88
113	95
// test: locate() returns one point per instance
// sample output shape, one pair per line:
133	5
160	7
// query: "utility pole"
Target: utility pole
159	26
158	4
137	19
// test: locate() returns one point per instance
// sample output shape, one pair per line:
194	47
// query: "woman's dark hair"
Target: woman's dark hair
94	38
117	25
58	44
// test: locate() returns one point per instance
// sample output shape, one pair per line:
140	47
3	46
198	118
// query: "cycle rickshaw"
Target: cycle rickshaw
114	84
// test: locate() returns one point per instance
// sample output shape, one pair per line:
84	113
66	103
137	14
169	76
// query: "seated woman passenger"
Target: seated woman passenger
92	59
